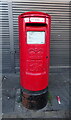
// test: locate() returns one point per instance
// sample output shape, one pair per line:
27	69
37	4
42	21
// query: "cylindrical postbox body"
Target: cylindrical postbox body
34	36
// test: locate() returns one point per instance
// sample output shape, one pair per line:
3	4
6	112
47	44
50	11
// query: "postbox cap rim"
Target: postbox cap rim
34	13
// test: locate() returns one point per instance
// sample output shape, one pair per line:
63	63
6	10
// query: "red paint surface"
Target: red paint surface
34	64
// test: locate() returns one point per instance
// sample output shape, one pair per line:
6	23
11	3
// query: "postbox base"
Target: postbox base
34	100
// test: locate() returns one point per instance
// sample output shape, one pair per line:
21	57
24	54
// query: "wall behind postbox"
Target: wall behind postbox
59	31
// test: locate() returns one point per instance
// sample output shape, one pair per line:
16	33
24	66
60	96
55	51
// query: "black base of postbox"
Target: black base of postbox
34	99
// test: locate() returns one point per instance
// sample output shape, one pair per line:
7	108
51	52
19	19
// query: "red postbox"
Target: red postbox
34	36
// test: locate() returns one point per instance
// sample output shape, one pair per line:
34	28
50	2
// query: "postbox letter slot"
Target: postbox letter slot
35	24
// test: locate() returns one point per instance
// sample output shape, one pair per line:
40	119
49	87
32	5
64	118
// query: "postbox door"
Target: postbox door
36	54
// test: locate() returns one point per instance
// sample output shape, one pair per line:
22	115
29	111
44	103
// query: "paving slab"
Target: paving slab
58	86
